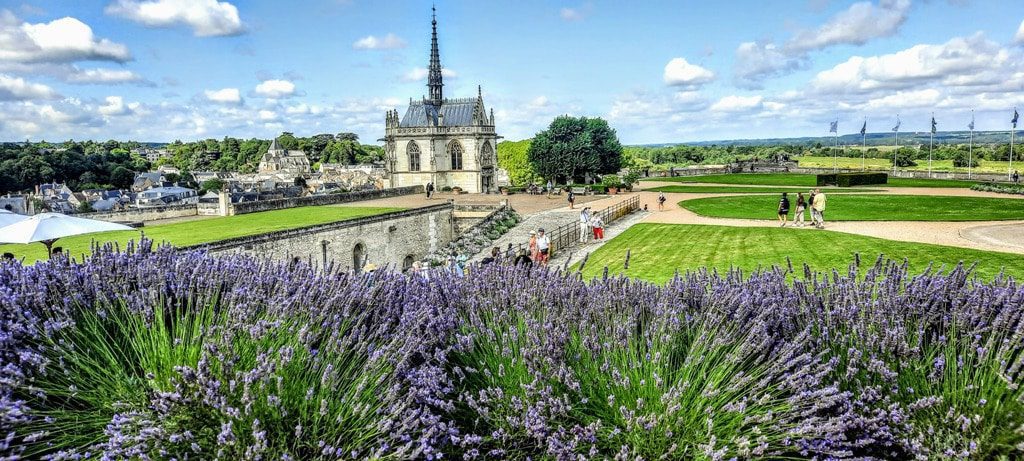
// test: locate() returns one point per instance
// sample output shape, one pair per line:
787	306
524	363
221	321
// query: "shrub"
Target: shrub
999	188
852	179
160	355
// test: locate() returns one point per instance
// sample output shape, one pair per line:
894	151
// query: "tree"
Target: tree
85	207
963	159
172	178
122	178
572	148
214	184
512	158
905	157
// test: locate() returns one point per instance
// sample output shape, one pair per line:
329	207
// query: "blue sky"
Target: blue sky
160	70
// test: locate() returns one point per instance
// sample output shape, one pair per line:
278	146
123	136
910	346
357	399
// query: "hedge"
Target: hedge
852	179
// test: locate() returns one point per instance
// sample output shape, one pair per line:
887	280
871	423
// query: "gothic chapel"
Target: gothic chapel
449	142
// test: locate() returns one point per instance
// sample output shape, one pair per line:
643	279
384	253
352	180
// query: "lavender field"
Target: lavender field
162	355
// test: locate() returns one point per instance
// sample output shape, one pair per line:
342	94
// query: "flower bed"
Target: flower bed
1000	188
165	355
478	237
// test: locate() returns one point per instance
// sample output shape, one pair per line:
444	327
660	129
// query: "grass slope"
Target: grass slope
802	180
860	207
695	189
658	250
205	230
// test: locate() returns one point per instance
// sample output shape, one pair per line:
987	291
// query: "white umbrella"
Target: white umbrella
7	218
46	228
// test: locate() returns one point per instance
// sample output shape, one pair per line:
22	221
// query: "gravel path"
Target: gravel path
1005	236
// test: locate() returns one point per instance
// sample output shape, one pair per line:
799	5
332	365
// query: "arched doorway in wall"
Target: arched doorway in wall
358	257
407	263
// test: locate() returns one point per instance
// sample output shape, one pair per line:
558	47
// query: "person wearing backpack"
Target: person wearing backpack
783	210
661	201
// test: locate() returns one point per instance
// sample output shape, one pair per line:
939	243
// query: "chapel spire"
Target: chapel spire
434	82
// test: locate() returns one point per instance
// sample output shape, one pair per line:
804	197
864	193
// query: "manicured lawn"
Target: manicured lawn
802	180
885	164
695	189
205	230
658	250
861	207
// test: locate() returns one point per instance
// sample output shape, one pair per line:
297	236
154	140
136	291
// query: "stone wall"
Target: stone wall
384	240
143	214
328	199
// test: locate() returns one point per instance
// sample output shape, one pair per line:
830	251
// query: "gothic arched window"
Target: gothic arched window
414	156
455	152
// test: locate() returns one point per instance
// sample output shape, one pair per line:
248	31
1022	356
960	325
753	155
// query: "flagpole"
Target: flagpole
835	154
970	148
897	130
931	139
864	148
1013	128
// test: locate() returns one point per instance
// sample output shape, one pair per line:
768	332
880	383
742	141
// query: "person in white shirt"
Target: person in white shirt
598	225
544	245
585	225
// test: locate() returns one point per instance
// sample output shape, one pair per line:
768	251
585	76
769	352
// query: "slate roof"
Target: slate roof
456	113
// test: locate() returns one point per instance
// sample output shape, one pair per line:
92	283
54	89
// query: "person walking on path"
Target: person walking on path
597	224
543	247
532	247
661	201
522	259
571	197
801	205
430	190
783	209
819	207
810	206
550	188
1016	177
585	225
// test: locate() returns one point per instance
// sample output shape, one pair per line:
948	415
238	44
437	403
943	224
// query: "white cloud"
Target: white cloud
224	96
905	100
857	25
387	42
276	89
756	61
576	14
420	73
1019	38
267	115
679	72
103	76
115	106
963	61
17	89
61	40
206	18
733	103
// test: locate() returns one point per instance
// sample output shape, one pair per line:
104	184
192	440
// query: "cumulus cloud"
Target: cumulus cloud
17	89
115	106
857	25
905	100
733	103
1019	38
206	18
224	96
275	89
420	73
104	76
679	72
59	41
387	42
969	61
756	61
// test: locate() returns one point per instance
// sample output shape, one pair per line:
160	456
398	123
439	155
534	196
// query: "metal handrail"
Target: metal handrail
566	235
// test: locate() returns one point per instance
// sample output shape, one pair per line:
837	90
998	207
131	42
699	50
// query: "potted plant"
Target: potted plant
504	190
456	190
631	179
612	183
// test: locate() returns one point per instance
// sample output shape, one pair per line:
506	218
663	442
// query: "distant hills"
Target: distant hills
872	139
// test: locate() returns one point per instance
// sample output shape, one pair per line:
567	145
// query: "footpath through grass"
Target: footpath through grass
864	207
658	250
804	180
205	230
695	189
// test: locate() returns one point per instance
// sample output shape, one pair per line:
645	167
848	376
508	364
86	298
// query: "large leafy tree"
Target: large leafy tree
573	147
512	158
